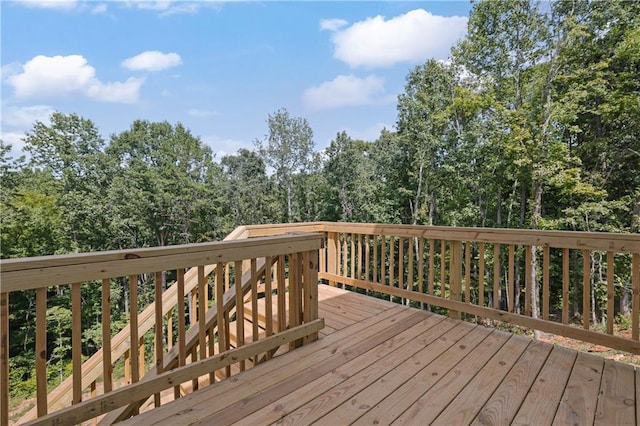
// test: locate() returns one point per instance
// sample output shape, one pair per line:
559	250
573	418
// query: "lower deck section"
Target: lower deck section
381	363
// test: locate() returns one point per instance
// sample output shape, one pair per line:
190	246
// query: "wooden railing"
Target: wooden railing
490	273
219	341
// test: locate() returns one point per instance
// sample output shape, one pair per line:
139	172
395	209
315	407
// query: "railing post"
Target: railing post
332	255
4	359
310	282
455	275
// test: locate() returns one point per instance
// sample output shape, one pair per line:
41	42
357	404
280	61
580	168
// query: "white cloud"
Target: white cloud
413	37
173	7
345	90
99	8
50	4
332	24
24	117
57	76
201	113
152	60
369	133
15	139
225	146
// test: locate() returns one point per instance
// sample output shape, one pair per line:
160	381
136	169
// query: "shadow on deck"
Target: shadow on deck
379	363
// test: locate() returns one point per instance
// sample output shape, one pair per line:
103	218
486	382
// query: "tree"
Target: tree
160	192
287	149
68	153
248	189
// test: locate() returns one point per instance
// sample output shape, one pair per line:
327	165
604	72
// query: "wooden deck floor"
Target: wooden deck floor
382	363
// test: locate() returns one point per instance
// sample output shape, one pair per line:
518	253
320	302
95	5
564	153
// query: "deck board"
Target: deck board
380	362
578	405
468	403
543	399
617	395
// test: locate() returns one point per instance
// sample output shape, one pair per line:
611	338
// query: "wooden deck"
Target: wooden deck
381	363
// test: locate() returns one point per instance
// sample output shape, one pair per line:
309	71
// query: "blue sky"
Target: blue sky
218	67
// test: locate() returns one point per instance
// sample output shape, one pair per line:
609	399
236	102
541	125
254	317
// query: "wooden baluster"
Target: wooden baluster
223	336
455	275
322	266
268	299
107	368
254	303
127	366
294	294
432	272
510	278
76	342
383	261
421	268
4	359
202	332
565	286
353	256
333	255
635	298
375	259
41	351
392	262
170	329
611	295
182	326
158	332
496	276
367	258
360	239
481	274
239	310
133	328
282	314
211	338
141	357
467	271
545	283
443	267
527	280
586	288
410	265
310	281
345	258
94	393
400	263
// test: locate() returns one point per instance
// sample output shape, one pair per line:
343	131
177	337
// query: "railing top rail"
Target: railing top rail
35	272
606	241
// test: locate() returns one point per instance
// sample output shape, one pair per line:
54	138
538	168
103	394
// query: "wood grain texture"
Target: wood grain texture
544	396
617	398
468	403
503	404
578	404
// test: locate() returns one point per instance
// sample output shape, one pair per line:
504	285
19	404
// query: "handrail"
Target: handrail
199	340
442	266
92	368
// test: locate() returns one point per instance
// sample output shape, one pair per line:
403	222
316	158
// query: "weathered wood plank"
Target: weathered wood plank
360	354
433	380
544	396
503	404
578	404
617	395
468	403
321	396
101	404
340	344
411	383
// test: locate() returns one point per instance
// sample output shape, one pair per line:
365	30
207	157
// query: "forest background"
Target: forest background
534	122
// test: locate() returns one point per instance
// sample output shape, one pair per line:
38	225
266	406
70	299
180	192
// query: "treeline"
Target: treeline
534	122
